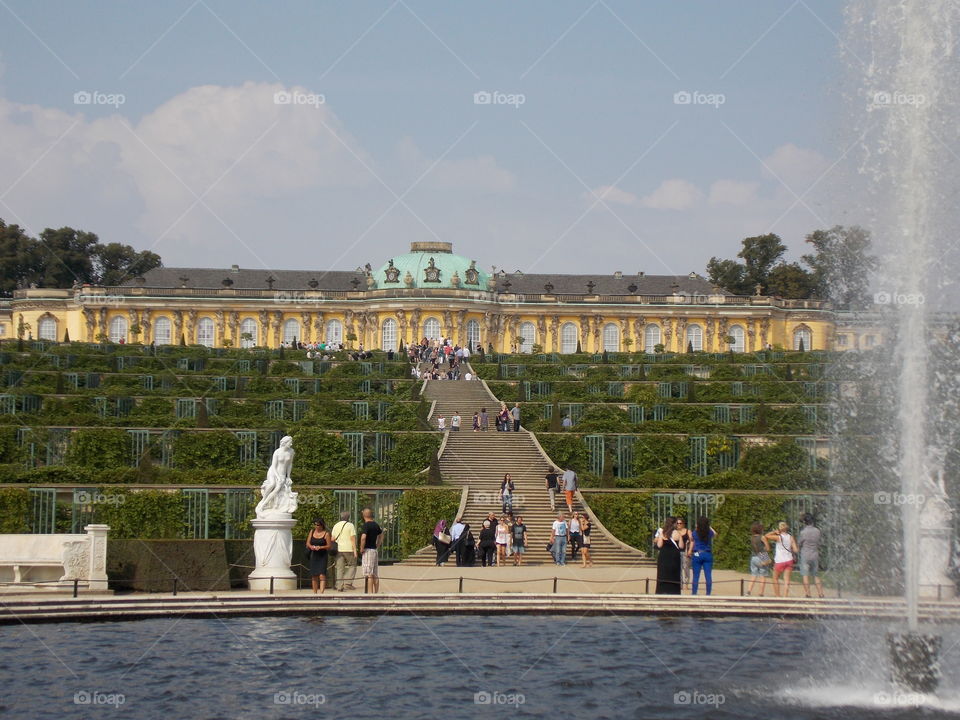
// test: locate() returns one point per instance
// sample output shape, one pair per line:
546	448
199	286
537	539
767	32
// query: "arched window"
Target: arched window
568	338
161	331
804	334
291	331
389	334
334	334
47	328
248	326
431	329
611	337
694	338
528	336
651	338
736	332
473	334
118	329
205	332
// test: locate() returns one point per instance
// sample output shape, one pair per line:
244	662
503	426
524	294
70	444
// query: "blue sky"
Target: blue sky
598	169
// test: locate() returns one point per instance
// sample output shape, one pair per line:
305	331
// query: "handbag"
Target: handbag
764	558
549	547
444	538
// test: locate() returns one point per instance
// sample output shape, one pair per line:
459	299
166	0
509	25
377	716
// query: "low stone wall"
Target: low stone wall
47	562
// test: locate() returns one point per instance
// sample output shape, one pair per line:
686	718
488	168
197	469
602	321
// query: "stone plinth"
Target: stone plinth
273	547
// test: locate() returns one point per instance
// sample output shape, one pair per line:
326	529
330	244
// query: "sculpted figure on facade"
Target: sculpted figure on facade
220	324
177	325
275	324
264	318
146	324
191	326
235	327
555	333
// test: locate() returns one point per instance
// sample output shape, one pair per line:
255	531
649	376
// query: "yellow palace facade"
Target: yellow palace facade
428	292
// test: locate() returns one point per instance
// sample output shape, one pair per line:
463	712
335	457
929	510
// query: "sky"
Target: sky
542	135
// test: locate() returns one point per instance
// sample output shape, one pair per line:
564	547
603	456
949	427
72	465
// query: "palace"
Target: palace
427	292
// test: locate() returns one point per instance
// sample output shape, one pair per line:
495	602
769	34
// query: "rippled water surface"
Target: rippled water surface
450	667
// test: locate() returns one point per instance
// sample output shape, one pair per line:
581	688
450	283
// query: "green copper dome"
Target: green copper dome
431	265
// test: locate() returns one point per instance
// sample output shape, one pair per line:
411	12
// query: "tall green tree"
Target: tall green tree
841	265
67	256
759	255
728	274
116	263
19	259
789	280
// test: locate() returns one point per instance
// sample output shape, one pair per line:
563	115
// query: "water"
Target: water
905	56
412	667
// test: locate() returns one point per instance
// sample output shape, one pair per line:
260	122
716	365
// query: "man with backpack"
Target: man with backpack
344	534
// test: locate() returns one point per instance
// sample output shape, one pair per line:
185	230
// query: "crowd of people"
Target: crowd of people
506	537
443	357
340	544
685	554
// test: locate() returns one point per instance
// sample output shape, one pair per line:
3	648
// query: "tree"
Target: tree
841	265
18	258
116	263
789	280
728	274
759	255
66	257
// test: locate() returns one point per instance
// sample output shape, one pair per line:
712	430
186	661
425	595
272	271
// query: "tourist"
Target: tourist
586	526
701	554
668	560
503	539
566	423
345	562
506	493
476	422
318	542
371	538
552	477
810	537
569	487
503	418
515	413
783	558
441	423
441	541
488	544
484	419
455	421
575	537
518	534
559	536
760	561
685	543
457	536
468	375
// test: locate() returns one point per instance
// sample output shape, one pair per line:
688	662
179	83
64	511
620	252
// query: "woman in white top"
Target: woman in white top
785	547
576	539
503	537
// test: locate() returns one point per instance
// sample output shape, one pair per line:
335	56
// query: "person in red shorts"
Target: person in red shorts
785	552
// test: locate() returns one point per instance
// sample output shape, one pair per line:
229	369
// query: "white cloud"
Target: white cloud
673	195
797	167
612	195
479	173
732	192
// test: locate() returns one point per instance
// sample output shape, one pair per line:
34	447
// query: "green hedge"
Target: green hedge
419	512
14	510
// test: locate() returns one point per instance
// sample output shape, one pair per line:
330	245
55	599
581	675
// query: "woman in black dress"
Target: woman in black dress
318	542
669	559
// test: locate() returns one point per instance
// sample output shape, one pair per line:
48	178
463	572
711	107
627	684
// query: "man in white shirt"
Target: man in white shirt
455	532
467	376
455	422
344	534
441	423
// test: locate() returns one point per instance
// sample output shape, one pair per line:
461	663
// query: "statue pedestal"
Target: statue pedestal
273	547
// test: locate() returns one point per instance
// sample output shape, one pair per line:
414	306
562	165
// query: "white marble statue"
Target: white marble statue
277	496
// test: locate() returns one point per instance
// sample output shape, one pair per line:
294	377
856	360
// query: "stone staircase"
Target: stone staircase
480	459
